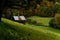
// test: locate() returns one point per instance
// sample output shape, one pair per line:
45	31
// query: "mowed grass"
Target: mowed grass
16	31
45	28
43	20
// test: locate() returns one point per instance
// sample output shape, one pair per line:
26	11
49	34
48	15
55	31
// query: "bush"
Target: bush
40	24
55	23
30	21
57	20
52	23
34	22
37	23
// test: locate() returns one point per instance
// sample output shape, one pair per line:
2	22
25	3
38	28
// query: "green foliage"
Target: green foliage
8	33
57	20
55	23
52	23
15	12
32	7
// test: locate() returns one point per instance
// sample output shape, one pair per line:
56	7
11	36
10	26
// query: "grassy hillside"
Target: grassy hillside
39	20
8	33
10	30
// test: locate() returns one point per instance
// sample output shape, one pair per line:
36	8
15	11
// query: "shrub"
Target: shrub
57	20
39	24
52	23
34	22
55	23
29	20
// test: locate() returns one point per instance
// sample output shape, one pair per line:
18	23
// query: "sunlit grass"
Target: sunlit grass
43	20
17	31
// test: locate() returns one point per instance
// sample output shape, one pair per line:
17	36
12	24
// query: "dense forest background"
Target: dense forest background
42	20
45	8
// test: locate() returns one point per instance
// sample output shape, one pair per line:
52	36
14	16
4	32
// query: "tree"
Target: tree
3	4
1	7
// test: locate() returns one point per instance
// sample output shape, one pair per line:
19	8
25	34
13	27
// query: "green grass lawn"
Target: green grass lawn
16	31
45	28
43	20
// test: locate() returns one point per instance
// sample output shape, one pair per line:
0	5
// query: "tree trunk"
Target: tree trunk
1	8
0	15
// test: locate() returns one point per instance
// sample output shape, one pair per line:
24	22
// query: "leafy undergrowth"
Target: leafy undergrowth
10	30
8	33
44	21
